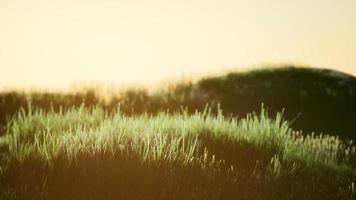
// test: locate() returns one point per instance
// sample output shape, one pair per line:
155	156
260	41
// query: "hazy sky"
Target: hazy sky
58	42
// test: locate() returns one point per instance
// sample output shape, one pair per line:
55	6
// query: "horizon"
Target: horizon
112	87
61	43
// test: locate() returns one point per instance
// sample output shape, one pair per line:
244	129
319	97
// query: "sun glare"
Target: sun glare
58	43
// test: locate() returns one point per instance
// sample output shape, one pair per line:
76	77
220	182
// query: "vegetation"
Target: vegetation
207	139
88	153
320	101
315	100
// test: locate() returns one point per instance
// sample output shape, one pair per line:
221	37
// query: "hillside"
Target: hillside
314	100
90	154
209	139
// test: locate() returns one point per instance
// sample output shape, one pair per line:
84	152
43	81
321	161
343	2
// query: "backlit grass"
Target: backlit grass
89	154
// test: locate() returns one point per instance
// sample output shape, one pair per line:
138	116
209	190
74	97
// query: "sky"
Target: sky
57	43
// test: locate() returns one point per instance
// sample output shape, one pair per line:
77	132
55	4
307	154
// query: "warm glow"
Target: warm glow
60	42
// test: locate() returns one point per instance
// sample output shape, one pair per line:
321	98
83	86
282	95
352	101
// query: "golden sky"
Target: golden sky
60	42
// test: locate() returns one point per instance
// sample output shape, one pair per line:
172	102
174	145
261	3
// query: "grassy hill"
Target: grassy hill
315	100
90	154
185	141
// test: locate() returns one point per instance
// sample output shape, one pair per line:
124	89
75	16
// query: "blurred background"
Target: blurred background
60	42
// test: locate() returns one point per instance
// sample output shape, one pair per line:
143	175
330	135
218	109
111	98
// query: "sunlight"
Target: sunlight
58	43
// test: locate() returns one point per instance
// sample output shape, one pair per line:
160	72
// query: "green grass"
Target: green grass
86	153
316	100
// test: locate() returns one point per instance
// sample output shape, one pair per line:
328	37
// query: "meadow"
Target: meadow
192	141
314	100
89	154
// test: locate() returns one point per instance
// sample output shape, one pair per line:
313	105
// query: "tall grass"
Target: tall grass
91	154
324	100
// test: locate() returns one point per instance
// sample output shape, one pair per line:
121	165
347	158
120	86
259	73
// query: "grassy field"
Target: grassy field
207	139
315	100
89	153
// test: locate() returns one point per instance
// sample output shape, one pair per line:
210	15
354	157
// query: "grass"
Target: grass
319	101
88	153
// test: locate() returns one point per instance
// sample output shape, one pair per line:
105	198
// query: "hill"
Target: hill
314	100
192	140
90	154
